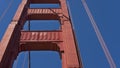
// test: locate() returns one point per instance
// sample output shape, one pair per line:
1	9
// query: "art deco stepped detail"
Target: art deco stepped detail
63	40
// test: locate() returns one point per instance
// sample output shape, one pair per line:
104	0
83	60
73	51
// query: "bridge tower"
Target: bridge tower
16	40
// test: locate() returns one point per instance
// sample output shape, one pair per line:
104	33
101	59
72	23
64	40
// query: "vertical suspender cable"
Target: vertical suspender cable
100	38
29	56
29	59
29	66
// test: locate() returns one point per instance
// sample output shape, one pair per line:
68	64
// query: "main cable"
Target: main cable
99	36
6	10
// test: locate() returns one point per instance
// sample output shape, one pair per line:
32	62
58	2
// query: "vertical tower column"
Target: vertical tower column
70	55
10	41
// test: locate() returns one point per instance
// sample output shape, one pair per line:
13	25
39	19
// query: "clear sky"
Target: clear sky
106	13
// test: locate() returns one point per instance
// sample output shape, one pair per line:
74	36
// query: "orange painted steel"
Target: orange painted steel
40	36
16	40
44	1
43	11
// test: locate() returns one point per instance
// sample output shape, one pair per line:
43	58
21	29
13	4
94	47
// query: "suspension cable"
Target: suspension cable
6	10
99	36
29	56
29	66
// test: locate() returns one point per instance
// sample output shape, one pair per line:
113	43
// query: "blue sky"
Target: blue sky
106	14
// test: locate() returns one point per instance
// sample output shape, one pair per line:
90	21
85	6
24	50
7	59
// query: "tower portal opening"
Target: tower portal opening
42	25
45	59
44	5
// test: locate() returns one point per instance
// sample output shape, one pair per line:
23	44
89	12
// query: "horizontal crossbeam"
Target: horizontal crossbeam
43	14
44	1
40	36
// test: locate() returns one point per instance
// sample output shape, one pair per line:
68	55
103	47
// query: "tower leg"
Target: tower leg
9	46
70	56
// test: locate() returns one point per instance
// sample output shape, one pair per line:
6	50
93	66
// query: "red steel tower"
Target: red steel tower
15	40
